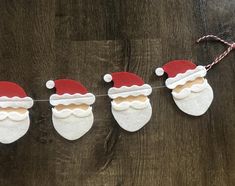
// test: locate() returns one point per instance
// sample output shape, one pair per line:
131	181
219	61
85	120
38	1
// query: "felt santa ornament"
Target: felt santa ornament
14	114
131	107
190	90
72	114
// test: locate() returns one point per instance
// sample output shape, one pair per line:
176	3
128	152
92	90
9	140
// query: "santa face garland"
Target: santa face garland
190	90
131	107
14	116
72	114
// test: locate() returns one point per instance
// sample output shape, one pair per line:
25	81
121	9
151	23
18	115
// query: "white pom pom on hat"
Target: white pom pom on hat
159	71
50	84
108	78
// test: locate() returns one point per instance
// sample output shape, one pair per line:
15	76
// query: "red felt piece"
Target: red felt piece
126	79
175	67
69	86
10	89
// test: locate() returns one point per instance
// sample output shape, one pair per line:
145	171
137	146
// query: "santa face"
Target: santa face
14	123
132	113
193	98
72	122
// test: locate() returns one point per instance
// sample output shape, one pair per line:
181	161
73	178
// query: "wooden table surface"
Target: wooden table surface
85	39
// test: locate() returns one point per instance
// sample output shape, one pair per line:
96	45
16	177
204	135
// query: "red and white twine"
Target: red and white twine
221	56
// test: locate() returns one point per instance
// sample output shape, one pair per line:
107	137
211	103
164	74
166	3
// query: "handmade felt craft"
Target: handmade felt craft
14	114
72	114
130	105
190	90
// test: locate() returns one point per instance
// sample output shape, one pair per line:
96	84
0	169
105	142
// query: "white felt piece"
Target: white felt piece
67	112
11	130
72	127
187	91
107	78
133	119
159	71
196	103
50	84
127	104
16	102
182	78
15	116
134	90
67	99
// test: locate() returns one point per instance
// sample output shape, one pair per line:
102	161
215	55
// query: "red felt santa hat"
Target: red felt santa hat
69	92
12	95
126	84
180	71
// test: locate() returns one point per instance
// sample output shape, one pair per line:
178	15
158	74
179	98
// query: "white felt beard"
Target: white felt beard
11	129
196	103
133	119
71	126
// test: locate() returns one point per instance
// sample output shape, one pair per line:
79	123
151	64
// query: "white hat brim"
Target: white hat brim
16	102
125	91
67	99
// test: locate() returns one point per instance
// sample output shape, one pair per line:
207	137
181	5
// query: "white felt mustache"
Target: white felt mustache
67	112
187	91
15	116
134	104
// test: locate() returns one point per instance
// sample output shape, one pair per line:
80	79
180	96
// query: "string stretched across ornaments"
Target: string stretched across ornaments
72	115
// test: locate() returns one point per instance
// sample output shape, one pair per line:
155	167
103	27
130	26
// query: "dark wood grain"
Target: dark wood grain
83	40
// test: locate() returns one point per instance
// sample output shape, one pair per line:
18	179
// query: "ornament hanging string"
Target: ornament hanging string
98	95
221	56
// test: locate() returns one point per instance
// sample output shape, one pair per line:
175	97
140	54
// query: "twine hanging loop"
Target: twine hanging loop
231	46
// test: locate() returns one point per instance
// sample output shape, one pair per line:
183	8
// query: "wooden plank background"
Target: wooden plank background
83	40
